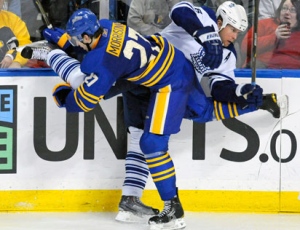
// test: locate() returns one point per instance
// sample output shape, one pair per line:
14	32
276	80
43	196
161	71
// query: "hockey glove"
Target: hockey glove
212	45
60	93
57	36
250	94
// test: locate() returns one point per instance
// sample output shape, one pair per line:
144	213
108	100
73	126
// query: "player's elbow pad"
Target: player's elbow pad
190	21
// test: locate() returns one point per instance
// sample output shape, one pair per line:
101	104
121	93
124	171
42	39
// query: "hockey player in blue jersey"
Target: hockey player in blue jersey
82	98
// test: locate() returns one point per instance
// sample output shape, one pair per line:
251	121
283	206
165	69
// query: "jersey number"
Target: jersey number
133	44
89	80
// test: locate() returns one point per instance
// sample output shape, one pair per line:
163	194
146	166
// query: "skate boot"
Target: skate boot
39	53
131	209
37	50
277	107
170	218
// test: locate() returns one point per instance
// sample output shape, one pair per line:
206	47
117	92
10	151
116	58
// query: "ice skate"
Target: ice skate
38	50
171	218
39	53
132	210
278	107
33	44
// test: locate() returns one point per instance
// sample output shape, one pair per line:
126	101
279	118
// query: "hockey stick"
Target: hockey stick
44	15
254	42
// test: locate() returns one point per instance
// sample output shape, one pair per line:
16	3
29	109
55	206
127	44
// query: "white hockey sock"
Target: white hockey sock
66	67
135	166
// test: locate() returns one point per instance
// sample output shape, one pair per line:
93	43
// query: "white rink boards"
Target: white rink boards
248	164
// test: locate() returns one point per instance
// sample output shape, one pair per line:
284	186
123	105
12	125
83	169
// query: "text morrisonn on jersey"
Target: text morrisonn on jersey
116	39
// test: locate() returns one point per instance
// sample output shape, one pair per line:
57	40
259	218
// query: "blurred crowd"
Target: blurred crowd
278	26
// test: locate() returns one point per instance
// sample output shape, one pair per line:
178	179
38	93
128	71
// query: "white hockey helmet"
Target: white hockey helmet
233	14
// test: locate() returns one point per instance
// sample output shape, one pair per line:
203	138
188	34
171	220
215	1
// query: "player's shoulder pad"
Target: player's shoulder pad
105	23
210	12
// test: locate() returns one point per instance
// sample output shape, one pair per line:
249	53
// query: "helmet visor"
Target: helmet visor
75	40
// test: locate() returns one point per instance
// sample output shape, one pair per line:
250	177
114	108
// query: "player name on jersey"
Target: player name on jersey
116	39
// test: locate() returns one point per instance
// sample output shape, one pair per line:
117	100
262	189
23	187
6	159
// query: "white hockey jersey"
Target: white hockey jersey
192	50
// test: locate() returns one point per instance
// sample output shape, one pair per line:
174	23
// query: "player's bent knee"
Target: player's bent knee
151	143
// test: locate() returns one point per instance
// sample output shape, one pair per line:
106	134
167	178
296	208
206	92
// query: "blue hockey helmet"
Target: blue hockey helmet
82	21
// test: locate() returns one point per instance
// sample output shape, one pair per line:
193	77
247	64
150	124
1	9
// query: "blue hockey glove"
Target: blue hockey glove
60	93
252	94
57	36
212	45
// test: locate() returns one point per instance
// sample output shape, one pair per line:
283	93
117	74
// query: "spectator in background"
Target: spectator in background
267	8
277	38
149	16
13	33
13	6
287	50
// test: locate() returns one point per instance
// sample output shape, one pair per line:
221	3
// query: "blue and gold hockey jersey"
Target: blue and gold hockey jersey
122	53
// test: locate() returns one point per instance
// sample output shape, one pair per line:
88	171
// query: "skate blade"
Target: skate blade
172	225
129	217
34	44
283	103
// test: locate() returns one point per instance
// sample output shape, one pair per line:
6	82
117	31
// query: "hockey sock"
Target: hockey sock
66	67
136	174
136	168
163	174
224	110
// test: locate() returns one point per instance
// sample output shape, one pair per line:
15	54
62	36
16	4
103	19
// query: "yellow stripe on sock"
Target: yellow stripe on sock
163	172
230	110
236	113
164	177
221	110
216	111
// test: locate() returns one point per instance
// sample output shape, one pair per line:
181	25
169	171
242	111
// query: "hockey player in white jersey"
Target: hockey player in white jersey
186	33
